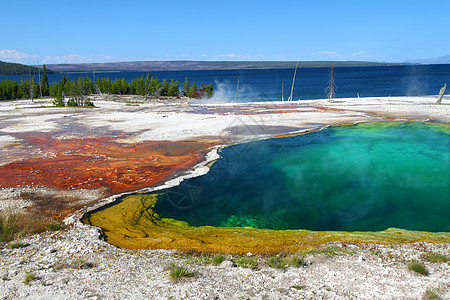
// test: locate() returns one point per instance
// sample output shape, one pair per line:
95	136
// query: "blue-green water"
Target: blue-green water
365	177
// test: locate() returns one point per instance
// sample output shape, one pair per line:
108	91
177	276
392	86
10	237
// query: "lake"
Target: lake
266	84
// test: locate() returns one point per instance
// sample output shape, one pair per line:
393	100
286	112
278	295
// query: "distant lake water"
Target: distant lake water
266	84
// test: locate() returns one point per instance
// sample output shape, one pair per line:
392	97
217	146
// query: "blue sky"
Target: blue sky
87	31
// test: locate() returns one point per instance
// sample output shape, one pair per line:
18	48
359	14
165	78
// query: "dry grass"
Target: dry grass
14	225
78	264
437	258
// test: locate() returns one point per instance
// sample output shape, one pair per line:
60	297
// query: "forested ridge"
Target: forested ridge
179	65
78	89
7	68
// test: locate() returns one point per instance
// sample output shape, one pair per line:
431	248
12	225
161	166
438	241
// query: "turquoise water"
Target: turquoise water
365	177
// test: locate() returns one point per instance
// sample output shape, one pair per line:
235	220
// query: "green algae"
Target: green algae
131	223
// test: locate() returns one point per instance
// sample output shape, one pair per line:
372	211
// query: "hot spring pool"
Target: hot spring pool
367	177
378	182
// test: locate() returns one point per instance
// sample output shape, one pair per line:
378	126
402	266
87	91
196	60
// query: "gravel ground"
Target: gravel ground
75	263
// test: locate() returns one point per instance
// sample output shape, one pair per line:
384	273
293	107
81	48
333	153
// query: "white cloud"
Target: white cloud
228	55
360	53
25	58
327	53
231	56
15	56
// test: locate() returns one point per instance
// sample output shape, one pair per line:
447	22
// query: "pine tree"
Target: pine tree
154	86
193	93
173	88
44	84
23	92
35	89
147	87
3	95
133	87
164	88
116	87
89	86
185	91
124	87
140	88
209	91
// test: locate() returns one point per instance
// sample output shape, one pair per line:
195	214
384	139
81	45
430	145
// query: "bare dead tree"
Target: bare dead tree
441	94
31	87
237	89
293	81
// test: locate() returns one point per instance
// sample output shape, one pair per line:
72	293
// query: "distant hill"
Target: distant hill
7	68
435	60
200	65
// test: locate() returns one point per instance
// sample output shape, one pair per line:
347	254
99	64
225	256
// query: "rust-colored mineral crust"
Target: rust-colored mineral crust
89	163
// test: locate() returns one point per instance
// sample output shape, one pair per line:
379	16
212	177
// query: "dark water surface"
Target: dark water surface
367	177
266	84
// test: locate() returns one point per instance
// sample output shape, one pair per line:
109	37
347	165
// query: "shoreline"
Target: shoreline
198	170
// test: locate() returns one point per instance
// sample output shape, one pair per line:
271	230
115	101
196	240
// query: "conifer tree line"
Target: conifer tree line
8	68
77	89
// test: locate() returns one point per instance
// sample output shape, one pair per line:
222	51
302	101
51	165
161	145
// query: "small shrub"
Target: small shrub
298	287
418	267
88	103
54	227
218	259
296	262
247	262
437	258
277	262
430	294
59	101
72	102
81	263
16	245
60	265
177	272
29	278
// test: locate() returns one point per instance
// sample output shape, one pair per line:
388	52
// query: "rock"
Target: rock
226	264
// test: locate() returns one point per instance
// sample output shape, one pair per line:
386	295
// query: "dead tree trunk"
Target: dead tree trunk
441	94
